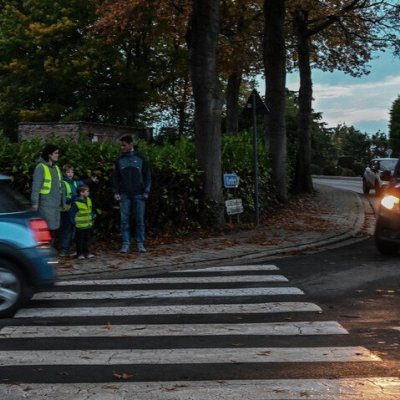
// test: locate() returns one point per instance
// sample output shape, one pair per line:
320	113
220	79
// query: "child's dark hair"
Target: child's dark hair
81	188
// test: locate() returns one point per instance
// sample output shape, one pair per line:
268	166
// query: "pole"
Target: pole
255	157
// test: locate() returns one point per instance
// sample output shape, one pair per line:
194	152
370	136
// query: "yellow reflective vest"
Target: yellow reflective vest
83	217
46	185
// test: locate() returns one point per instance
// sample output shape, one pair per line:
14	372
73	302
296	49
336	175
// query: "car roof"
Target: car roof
5	177
385	158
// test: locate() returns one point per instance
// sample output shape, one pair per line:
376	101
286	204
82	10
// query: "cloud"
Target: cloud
356	103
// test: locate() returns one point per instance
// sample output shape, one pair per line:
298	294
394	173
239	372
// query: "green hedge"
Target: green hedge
176	202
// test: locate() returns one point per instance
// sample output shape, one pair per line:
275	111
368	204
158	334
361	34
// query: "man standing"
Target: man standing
131	187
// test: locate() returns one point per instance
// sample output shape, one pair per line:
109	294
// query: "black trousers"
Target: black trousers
82	240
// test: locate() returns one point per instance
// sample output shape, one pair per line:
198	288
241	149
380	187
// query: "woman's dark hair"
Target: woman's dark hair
48	149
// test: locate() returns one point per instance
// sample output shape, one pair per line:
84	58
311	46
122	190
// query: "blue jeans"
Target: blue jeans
132	206
66	232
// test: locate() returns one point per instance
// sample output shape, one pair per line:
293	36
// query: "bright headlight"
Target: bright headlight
390	202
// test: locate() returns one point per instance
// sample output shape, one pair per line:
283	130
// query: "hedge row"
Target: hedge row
176	202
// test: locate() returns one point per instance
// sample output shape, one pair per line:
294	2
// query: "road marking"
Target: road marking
187	356
264	329
194	279
236	268
168	293
272	389
273	307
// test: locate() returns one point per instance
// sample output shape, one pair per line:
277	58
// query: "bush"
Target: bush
176	201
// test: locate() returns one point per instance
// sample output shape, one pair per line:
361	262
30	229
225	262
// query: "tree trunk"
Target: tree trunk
232	98
275	92
208	102
303	180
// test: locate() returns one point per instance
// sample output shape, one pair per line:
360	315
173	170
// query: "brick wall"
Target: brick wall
77	130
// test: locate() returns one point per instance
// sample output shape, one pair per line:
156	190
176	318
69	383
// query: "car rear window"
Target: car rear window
10	201
388	164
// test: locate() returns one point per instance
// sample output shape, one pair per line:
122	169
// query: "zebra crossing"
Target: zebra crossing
237	332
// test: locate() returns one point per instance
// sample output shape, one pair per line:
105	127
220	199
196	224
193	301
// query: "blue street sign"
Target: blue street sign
231	181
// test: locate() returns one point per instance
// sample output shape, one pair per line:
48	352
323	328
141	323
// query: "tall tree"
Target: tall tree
202	41
340	34
394	127
275	92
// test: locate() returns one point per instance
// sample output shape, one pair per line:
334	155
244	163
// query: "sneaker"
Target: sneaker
89	255
81	257
63	254
141	248
124	248
73	254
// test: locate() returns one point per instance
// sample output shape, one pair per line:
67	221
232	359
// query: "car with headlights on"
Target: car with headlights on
387	229
27	261
377	174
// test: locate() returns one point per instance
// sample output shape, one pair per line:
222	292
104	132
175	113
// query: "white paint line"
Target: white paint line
236	268
264	329
184	356
196	279
273	307
272	389
167	293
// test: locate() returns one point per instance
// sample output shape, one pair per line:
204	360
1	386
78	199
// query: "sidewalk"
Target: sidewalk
331	216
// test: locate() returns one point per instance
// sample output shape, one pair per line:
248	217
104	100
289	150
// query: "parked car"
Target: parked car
377	174
27	262
387	229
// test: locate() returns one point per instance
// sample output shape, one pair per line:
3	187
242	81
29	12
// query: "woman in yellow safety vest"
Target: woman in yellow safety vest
48	193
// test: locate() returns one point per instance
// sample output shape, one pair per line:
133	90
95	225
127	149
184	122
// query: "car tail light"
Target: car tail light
41	232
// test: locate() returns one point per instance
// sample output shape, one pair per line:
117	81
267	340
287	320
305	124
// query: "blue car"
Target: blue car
27	261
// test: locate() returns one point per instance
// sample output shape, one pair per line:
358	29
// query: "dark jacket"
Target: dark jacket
131	175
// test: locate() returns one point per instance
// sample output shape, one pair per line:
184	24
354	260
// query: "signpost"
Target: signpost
231	181
234	206
257	106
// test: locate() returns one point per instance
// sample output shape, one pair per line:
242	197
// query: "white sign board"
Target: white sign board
234	206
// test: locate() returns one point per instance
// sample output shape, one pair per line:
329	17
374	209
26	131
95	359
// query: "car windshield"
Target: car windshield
388	165
11	201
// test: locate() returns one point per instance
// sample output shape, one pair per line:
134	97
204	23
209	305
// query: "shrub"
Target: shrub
176	201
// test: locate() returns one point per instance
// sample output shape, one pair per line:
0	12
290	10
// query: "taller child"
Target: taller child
131	187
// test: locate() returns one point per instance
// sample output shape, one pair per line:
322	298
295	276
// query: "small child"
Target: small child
81	215
66	231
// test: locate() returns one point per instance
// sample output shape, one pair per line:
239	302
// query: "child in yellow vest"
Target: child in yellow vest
66	231
81	215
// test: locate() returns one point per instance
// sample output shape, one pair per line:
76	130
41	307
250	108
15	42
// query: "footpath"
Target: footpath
331	217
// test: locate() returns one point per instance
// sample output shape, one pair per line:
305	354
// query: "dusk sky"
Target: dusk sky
362	102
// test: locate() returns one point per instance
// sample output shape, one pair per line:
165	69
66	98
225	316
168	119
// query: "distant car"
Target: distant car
377	175
387	229
27	262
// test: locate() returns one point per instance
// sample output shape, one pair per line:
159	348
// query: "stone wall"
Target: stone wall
77	130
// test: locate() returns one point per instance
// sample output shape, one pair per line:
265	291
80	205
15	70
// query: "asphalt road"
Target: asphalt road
324	325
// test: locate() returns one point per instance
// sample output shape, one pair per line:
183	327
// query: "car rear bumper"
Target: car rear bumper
43	267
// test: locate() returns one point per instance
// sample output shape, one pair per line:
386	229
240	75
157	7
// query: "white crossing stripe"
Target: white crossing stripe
273	307
168	293
270	328
185	356
372	388
235	268
194	279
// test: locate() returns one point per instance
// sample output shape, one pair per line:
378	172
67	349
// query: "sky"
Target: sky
363	102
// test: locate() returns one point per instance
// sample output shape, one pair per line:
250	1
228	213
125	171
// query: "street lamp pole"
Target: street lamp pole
255	156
